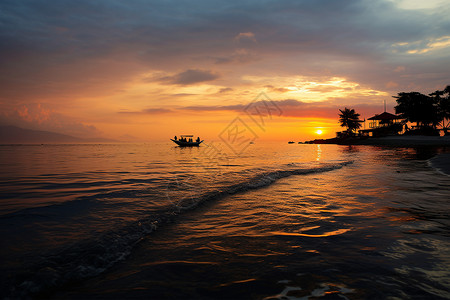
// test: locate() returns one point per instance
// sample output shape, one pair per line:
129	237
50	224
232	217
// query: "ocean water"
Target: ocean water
277	221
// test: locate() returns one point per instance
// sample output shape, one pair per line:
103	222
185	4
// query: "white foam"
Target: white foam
441	163
318	292
283	295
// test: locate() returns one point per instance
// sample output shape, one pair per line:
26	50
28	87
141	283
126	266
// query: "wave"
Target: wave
259	181
441	163
91	257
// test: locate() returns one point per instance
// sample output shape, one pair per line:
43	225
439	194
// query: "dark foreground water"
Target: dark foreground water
276	222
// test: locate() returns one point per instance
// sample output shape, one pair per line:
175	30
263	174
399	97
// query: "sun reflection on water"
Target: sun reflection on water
318	152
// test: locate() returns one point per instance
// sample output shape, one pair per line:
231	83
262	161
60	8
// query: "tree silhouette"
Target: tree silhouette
350	119
442	98
418	108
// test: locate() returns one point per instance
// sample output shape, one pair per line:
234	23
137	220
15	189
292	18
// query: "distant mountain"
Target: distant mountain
17	135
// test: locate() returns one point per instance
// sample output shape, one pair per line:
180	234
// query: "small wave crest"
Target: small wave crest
441	163
257	181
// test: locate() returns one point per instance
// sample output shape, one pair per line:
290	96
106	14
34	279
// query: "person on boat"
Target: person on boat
175	138
198	139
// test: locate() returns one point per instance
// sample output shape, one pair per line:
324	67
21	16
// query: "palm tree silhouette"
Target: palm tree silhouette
350	119
442	99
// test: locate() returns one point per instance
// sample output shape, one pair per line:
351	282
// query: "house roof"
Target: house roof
385	117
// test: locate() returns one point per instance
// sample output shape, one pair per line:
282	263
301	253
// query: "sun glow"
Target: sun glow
319	131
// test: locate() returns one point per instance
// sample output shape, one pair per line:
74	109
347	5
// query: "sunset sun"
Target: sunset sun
319	131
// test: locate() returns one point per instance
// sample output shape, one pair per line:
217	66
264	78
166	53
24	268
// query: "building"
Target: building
383	124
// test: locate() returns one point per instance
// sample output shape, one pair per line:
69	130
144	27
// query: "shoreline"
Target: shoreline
406	141
395	141
440	162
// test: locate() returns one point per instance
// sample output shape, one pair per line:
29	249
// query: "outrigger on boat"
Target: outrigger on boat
186	140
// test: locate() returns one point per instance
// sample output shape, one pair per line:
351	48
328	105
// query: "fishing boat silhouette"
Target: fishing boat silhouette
186	140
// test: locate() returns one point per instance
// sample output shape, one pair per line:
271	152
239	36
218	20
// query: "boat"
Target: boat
186	140
291	142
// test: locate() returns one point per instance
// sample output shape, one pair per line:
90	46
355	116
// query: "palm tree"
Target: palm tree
350	119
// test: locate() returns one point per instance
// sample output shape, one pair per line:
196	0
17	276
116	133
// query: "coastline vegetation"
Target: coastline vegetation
430	113
350	118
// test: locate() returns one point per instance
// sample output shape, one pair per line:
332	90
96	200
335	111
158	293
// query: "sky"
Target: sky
149	70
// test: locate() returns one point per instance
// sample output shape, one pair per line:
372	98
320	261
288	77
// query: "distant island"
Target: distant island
16	135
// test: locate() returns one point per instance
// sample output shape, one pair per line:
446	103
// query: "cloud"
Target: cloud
189	77
291	108
225	90
53	50
326	88
240	56
40	117
148	111
391	84
288	107
277	89
245	36
423	46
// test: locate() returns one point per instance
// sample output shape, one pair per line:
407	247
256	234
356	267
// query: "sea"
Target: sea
271	221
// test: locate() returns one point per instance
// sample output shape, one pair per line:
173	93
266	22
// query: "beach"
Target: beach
276	222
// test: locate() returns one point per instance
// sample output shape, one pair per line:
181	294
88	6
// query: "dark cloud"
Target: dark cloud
225	90
285	108
189	77
86	47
